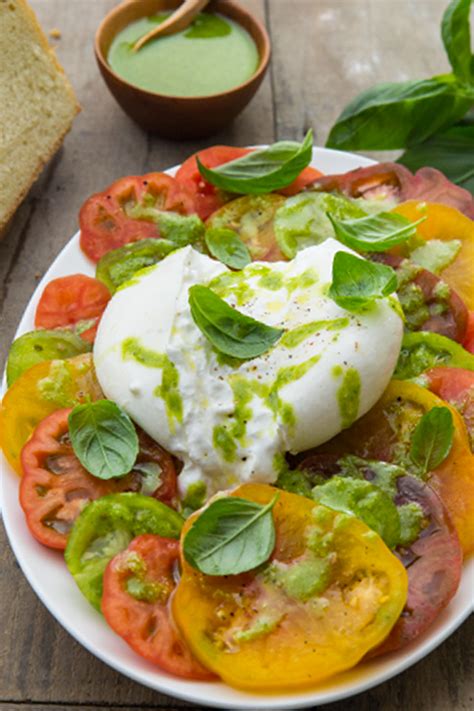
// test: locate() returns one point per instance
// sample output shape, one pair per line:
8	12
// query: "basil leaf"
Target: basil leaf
229	330
103	438
264	170
391	116
432	439
450	152
231	536
357	282
226	246
456	34
375	233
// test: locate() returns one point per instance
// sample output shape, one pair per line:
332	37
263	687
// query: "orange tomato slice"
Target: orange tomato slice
331	591
385	433
446	223
39	391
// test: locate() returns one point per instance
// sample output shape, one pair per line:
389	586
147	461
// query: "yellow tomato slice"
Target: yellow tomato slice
39	391
446	223
331	592
386	431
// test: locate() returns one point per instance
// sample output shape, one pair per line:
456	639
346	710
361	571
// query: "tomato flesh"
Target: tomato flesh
258	633
469	337
138	583
104	218
456	386
68	300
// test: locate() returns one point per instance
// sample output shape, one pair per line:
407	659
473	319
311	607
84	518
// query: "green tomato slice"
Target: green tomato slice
302	221
423	350
37	346
119	265
105	527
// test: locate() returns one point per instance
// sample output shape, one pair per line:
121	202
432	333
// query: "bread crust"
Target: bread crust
75	108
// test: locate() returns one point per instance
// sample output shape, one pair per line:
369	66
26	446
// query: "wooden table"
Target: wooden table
324	52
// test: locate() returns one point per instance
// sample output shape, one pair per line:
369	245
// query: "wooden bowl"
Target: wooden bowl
176	116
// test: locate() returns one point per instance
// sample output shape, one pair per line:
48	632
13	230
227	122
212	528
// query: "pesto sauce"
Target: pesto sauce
297	335
132	349
58	386
348	396
214	54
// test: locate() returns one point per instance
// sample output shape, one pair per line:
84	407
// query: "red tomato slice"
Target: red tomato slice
456	386
468	342
206	197
138	583
104	219
68	300
55	487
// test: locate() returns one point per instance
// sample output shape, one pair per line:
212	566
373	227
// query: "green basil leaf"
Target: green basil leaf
103	438
119	265
264	170
432	439
226	246
229	330
375	233
356	282
231	536
456	34
391	116
450	152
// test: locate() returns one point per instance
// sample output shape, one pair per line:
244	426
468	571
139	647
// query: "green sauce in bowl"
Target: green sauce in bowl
212	55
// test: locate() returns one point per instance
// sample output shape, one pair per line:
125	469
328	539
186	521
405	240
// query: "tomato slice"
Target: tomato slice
445	223
207	197
384	433
68	300
55	487
431	552
456	386
105	527
331	591
252	218
138	584
104	218
469	337
39	391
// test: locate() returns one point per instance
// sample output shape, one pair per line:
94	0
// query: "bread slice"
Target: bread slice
37	104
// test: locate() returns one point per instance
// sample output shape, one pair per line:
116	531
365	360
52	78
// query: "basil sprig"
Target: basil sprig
264	170
400	115
103	438
230	331
374	233
356	283
226	246
231	536
432	439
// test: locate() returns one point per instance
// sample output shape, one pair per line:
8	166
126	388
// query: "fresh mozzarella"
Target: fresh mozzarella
231	421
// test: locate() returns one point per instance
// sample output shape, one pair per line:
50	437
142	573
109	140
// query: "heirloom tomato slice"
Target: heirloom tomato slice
106	220
251	217
469	337
456	386
70	300
330	592
39	391
105	527
446	223
384	433
55	487
137	586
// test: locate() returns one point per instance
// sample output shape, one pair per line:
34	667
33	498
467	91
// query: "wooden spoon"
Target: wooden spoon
179	20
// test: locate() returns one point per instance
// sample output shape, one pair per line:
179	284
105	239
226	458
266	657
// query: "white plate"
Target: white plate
48	575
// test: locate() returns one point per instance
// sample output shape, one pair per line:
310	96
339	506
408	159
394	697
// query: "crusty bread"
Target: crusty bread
37	104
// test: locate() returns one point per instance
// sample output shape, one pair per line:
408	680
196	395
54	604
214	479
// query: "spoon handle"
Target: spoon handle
179	20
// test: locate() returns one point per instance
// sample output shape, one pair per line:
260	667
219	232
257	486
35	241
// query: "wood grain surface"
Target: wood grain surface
324	52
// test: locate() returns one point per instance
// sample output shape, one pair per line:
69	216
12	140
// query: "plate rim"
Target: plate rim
173	686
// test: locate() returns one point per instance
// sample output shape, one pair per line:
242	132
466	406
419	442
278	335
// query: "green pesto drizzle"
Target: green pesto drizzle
132	349
297	335
348	396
